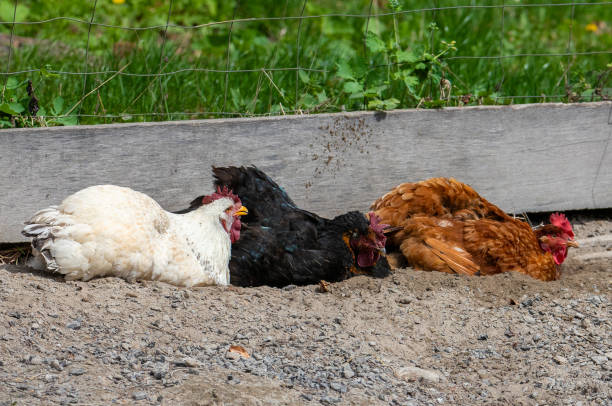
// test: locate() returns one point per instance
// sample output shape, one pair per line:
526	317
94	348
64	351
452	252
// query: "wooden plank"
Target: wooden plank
524	157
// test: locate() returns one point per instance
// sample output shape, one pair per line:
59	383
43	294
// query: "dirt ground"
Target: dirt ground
415	338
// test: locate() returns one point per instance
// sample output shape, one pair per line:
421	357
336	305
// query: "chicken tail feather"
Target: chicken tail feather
460	262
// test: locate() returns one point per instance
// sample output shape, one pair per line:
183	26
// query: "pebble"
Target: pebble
560	359
338	387
187	362
77	371
599	359
329	400
411	374
139	395
306	396
34	360
55	365
347	372
74	325
529	319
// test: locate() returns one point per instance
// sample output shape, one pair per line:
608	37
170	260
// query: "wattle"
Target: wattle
559	255
367	258
235	231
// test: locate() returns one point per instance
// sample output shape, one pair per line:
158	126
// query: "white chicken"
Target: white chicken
115	231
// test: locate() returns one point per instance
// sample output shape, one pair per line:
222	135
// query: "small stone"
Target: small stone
187	362
347	372
77	371
599	359
560	360
413	374
529	319
74	325
306	396
35	326
338	387
159	373
34	360
139	395
289	287
49	378
372	343
483	337
405	300
329	400
55	365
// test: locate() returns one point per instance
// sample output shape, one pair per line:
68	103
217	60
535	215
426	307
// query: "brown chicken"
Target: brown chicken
444	225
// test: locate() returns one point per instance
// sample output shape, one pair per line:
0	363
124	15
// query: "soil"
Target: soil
414	338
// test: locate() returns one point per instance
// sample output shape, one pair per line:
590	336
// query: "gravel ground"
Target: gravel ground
415	338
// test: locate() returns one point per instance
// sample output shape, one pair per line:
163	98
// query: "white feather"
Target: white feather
110	230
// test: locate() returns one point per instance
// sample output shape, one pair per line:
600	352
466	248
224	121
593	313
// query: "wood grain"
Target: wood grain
524	158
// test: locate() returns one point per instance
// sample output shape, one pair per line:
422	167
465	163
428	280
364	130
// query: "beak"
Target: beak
572	243
382	251
390	230
241	212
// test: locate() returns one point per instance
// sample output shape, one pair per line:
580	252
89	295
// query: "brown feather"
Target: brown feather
440	215
459	261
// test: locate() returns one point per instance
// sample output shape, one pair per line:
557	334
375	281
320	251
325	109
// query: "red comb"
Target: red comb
221	193
559	220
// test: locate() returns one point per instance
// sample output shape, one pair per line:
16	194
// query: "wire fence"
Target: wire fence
238	59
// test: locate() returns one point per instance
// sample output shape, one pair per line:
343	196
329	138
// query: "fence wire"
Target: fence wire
443	84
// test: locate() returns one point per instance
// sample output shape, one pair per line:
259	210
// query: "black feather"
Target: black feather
281	244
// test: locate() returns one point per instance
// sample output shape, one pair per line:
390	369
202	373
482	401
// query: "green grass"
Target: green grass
347	75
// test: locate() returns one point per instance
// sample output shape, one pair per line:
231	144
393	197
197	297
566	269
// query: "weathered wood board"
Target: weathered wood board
523	157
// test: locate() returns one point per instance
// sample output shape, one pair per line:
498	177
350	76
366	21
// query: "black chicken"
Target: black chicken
281	244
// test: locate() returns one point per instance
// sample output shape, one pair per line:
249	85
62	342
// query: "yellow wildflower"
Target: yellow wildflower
118	1
589	27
